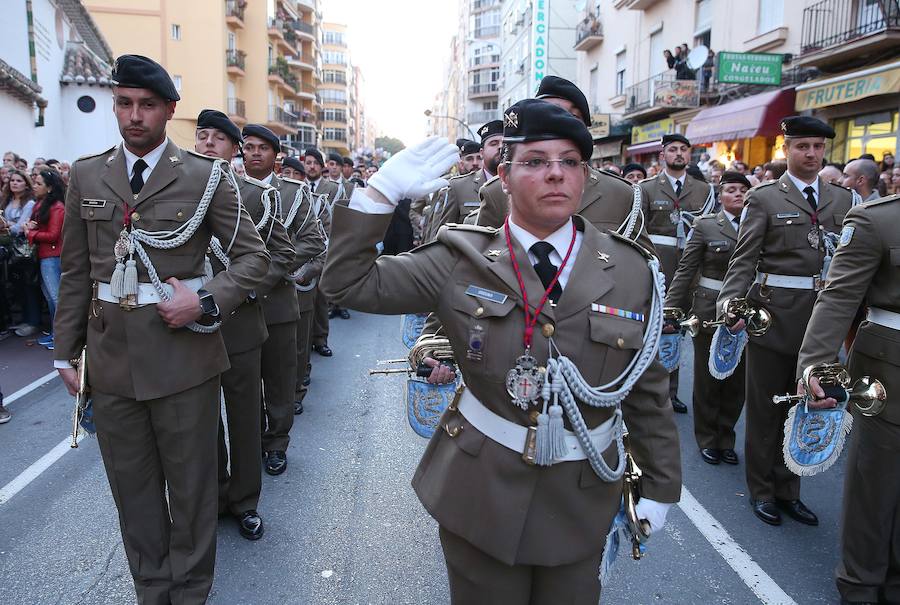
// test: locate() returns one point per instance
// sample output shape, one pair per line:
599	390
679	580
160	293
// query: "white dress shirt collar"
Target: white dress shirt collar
151	158
268	179
801	185
673	180
559	239
730	216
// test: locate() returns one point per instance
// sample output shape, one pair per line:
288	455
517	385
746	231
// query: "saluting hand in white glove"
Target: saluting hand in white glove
415	171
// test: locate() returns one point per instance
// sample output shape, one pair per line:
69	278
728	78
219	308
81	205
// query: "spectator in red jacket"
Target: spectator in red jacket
45	230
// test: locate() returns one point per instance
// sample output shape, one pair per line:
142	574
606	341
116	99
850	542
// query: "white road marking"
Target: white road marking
28	388
738	559
33	472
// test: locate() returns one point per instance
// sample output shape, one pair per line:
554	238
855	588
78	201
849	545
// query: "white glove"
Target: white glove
653	511
415	171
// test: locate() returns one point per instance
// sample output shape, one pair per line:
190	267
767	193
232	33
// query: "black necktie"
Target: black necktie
737	223
678	188
313	187
137	181
546	270
811	197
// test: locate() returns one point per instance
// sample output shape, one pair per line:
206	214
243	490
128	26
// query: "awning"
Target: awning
879	80
645	147
756	116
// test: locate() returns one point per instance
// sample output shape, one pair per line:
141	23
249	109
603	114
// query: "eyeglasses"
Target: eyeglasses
543	164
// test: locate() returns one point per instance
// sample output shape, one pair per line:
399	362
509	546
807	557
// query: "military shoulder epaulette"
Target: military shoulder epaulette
94	155
491	180
625	240
761	185
254	181
710	215
474	228
596	174
883	200
646	180
208	158
459	176
294	181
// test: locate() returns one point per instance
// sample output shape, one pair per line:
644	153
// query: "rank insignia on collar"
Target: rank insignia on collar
110	159
173	158
494	253
602	256
512	119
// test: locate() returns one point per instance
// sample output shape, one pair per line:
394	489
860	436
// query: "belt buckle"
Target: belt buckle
818	282
128	302
528	454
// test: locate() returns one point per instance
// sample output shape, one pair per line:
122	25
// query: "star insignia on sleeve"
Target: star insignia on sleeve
603	256
494	253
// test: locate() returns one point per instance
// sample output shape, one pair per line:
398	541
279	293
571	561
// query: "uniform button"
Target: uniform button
179	214
620	342
790	222
479	311
90	213
547	330
135	216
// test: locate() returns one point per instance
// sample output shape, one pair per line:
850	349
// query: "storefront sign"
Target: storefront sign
676	93
599	125
750	68
652	131
539	40
835	91
608	150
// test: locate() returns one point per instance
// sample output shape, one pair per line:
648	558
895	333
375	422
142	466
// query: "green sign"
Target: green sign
750	68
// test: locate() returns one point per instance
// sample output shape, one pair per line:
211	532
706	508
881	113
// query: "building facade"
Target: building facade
334	91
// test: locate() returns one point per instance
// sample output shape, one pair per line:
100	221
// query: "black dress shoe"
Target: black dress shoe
250	525
709	455
728	456
323	350
306	380
767	511
678	406
332	313
276	462
796	510
345	314
298	407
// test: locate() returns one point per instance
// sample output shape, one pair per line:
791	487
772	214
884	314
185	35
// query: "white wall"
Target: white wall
14	35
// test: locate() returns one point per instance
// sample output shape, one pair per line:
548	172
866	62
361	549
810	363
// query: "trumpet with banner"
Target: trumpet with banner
726	348
814	438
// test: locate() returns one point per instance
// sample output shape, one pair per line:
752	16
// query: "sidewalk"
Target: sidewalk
22	361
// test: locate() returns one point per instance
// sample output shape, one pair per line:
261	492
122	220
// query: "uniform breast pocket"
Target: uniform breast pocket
168	215
613	342
895	255
479	324
97	218
838	222
790	230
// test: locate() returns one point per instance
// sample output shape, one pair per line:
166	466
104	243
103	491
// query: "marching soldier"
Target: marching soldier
244	332
717	403
866	267
292	168
788	230
279	302
665	201
335	167
139	218
513	531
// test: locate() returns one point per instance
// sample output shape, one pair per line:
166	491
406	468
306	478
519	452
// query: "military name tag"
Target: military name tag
661	204
93	203
486	294
717	244
471	204
788	215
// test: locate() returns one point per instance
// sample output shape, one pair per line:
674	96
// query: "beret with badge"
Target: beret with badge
806	126
261	132
292	162
491	129
632	167
733	176
316	155
470	147
212	118
136	71
532	120
668	139
554	87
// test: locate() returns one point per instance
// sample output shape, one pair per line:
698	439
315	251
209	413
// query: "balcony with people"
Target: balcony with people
588	33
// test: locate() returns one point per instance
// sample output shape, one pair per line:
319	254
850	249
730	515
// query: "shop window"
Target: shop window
872	133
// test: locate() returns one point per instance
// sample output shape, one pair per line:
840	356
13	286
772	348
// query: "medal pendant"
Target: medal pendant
524	382
675	217
123	246
813	238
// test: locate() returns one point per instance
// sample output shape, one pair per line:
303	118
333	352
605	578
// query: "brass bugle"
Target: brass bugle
81	396
691	325
758	319
867	394
640	528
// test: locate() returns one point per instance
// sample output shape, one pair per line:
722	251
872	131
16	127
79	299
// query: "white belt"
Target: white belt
883	317
147	294
664	240
515	436
712	284
797	282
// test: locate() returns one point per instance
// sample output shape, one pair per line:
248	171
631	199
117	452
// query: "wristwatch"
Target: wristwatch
208	304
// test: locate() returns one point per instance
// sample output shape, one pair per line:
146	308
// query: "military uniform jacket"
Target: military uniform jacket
605	203
658	201
470	484
867	267
459	198
706	255
141	357
307	230
773	239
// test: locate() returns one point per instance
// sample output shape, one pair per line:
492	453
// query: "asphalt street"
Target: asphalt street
343	525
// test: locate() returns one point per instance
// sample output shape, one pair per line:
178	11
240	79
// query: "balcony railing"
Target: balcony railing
483	89
335	135
480	117
236	107
235	8
831	23
235	58
336	117
662	90
277	114
481	60
302	26
307	88
487	31
588	33
478	5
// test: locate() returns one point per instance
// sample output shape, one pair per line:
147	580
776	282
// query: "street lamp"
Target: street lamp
429	114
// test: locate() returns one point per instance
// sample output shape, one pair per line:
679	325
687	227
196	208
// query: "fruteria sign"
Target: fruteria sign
652	131
881	80
750	68
539	40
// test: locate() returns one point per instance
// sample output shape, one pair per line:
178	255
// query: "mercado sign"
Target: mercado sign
539	40
750	68
881	80
652	131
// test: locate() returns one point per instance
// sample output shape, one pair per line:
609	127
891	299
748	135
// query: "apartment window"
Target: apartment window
657	60
335	134
336	38
232	41
177	81
333	96
620	73
333	76
771	15
594	89
703	22
489	105
331	57
176	31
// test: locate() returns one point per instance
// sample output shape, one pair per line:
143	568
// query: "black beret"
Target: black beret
492	128
806	126
675	138
135	71
335	157
460	143
211	118
560	88
632	167
316	155
292	162
535	120
260	131
733	176
470	147
347	161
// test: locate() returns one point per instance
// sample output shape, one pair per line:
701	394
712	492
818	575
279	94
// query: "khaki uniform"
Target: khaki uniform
307	304
658	201
320	316
458	199
282	312
773	239
245	332
717	403
155	389
866	268
540	520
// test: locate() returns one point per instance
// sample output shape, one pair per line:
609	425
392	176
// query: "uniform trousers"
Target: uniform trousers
320	321
304	344
279	377
717	404
870	525
768	373
148	446
239	490
476	578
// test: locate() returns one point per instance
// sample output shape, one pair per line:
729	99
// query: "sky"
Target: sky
401	47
